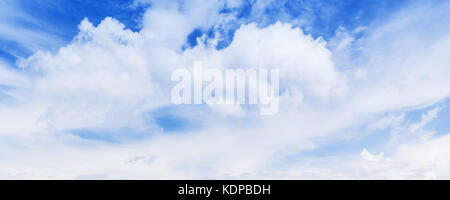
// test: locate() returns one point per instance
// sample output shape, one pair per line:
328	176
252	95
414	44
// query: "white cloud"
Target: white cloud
426	118
392	120
100	80
366	155
112	78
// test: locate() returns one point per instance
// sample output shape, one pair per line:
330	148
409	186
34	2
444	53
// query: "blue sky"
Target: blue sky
60	19
362	86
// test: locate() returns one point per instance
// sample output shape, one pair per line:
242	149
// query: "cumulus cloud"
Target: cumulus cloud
100	80
111	80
